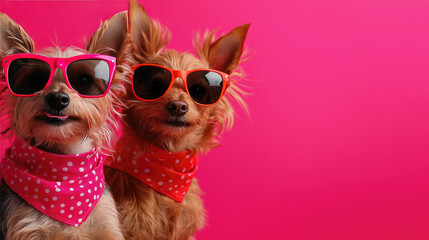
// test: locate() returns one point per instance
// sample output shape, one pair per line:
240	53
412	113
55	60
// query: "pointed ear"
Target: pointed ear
224	54
13	38
110	37
148	37
140	22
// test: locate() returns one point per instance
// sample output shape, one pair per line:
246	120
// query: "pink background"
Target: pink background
337	144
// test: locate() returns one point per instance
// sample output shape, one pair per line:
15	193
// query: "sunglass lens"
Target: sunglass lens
205	87
27	76
89	77
151	82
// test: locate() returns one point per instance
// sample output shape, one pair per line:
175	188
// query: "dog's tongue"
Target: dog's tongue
53	116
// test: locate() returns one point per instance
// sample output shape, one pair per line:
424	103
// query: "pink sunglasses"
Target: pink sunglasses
90	75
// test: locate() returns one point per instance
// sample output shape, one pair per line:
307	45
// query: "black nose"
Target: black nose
57	100
177	108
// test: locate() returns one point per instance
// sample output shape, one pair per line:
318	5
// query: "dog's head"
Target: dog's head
176	121
57	115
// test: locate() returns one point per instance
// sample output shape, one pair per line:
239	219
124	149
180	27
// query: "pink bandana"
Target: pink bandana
169	173
64	187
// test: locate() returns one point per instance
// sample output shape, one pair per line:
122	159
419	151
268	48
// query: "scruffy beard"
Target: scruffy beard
86	119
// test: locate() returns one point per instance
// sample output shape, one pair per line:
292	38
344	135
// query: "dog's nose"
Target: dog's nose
57	100
177	108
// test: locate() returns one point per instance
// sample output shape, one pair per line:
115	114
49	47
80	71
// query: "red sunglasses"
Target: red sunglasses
205	86
90	75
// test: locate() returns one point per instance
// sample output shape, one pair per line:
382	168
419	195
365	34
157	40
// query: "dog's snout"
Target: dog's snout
57	100
177	108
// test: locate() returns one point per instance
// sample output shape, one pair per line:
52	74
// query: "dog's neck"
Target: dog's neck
166	143
169	173
66	148
72	177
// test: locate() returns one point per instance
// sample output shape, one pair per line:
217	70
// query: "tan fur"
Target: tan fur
94	118
146	214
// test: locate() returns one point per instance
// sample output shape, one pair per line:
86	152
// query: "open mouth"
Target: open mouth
56	119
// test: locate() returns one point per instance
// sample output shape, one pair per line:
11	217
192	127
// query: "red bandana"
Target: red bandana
169	173
64	187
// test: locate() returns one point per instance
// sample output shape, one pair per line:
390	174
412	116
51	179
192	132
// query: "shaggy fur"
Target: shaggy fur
91	126
144	213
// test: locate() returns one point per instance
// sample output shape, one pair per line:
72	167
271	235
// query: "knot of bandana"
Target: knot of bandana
169	173
64	187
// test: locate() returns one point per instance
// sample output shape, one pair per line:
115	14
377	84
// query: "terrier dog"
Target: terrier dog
60	110
175	111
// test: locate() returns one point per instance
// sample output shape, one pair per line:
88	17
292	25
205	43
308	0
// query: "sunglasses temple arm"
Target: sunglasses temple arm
2	76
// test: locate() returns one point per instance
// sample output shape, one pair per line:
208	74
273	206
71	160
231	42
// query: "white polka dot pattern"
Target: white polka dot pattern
59	186
169	173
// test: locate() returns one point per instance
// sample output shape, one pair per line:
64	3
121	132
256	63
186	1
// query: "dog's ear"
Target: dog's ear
224	54
110	37
148	37
13	38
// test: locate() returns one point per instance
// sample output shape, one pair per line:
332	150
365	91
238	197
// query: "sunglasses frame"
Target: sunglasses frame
182	75
61	63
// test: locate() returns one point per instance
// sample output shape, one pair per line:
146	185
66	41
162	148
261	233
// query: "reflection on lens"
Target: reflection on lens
28	76
151	82
89	77
205	87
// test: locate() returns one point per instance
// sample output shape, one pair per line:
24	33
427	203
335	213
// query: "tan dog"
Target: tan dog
174	124
58	120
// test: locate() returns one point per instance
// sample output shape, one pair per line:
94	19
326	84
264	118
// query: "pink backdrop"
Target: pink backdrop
337	145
